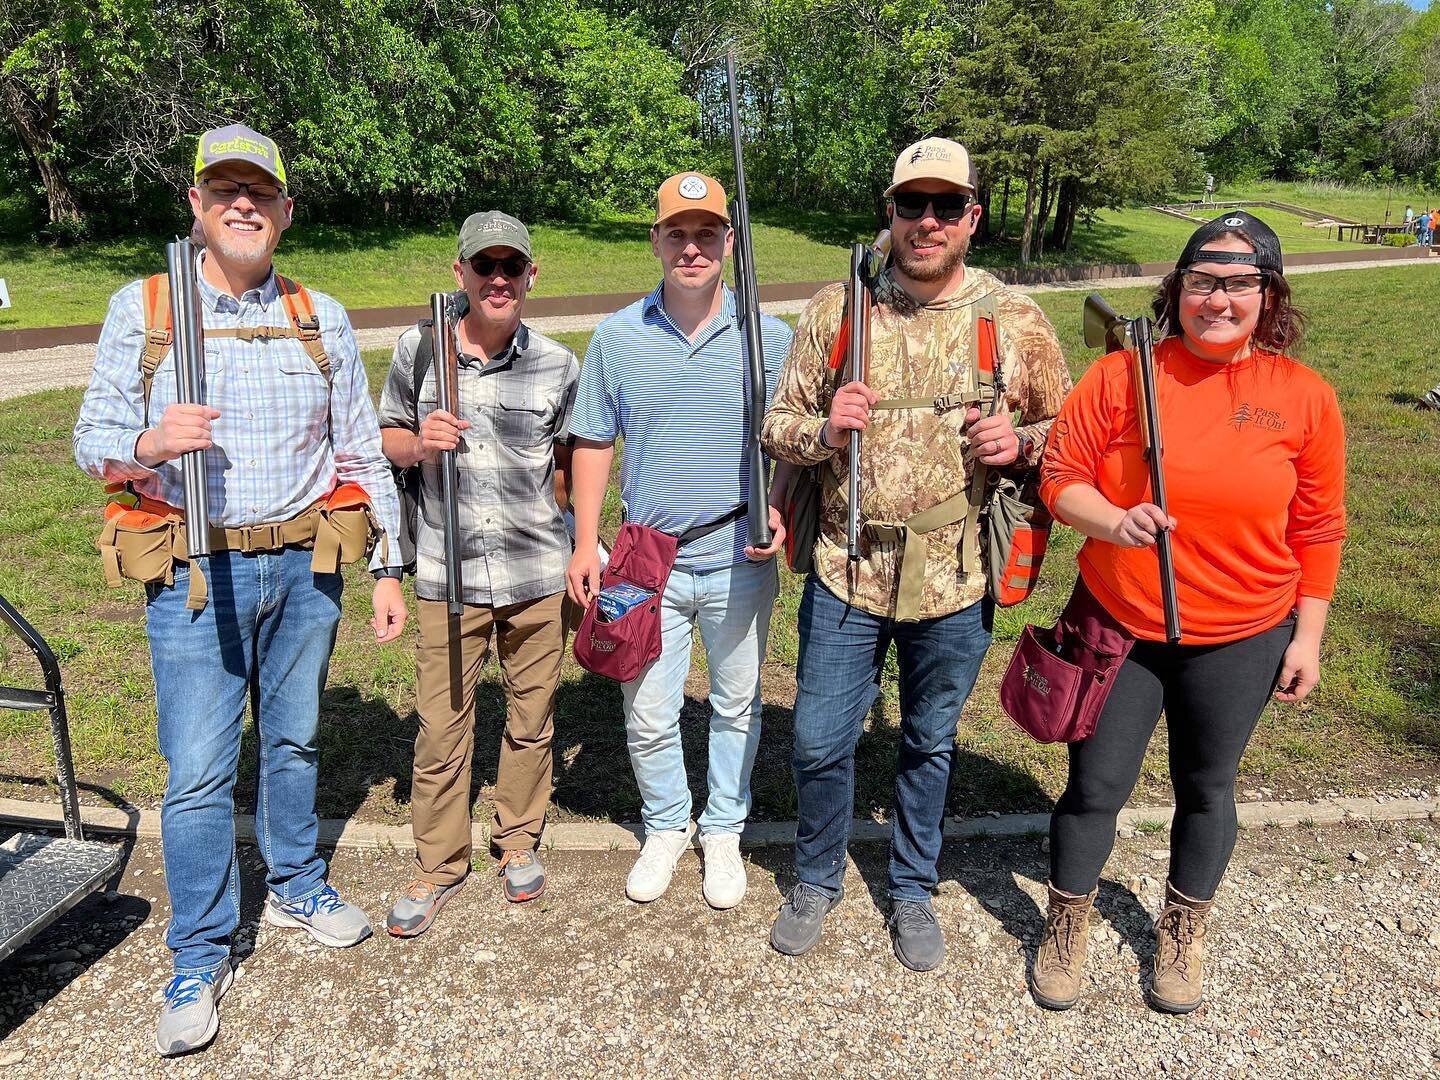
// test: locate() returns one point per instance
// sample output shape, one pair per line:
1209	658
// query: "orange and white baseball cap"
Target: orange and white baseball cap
934	159
691	191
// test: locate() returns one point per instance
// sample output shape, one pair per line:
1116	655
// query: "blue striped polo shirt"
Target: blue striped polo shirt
680	407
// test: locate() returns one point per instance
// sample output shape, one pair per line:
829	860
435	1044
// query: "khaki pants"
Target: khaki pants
530	637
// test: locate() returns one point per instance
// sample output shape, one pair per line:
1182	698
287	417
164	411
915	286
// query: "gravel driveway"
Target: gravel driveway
1327	945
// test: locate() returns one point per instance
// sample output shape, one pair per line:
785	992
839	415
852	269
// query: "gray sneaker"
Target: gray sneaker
801	919
523	875
189	1021
330	920
416	910
919	945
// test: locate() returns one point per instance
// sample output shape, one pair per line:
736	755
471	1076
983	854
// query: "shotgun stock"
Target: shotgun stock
442	339
1105	329
747	304
188	356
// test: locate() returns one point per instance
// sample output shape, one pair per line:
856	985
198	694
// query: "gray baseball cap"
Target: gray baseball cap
492	229
236	142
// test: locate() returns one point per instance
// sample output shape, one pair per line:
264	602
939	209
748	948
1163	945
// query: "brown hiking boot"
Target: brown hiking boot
1060	958
1178	985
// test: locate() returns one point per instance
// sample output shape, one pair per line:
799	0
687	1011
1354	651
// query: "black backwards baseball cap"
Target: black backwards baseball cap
1266	255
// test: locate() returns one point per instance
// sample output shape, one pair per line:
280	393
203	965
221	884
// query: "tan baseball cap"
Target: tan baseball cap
934	159
691	191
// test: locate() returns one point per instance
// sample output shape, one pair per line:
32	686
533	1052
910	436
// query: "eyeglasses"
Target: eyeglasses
911	205
512	265
231	189
1198	283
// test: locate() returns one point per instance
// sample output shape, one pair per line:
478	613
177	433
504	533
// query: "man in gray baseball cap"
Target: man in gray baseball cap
514	390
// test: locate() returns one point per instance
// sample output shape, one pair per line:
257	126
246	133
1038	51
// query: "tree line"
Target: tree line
402	112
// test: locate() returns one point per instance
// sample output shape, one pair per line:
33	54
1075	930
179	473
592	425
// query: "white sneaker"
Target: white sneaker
650	876
724	871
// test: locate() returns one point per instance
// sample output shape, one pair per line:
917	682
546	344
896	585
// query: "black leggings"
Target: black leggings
1213	696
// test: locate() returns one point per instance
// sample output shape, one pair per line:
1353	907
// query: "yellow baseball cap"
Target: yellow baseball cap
934	159
691	191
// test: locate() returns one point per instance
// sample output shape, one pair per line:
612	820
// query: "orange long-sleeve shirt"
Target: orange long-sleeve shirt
1254	458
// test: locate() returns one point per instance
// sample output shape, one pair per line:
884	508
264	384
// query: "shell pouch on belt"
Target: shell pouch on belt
1014	524
1059	677
620	631
143	539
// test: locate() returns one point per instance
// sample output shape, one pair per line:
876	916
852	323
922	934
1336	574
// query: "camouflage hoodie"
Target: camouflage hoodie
911	459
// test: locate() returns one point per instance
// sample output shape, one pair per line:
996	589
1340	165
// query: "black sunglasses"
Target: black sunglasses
512	265
911	205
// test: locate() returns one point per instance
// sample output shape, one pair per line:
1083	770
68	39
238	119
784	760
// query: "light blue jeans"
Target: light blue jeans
270	621
732	607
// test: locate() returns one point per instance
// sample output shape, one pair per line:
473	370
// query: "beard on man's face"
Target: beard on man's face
934	267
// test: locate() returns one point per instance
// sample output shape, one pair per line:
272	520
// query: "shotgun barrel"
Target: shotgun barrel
857	302
747	304
189	358
1105	329
442	340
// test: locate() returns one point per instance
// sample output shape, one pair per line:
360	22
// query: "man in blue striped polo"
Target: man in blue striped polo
667	374
278	434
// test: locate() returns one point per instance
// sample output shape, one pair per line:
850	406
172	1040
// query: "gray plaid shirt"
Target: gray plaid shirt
513	539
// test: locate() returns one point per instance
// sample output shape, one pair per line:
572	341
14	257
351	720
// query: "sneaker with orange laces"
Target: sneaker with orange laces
416	910
522	874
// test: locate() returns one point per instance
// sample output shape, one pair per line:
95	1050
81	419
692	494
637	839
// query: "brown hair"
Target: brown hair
1281	325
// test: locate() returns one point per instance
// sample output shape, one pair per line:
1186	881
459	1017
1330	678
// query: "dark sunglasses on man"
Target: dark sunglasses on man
230	189
911	205
513	266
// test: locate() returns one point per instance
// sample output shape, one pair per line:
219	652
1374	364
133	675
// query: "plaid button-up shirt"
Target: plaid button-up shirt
513	542
283	440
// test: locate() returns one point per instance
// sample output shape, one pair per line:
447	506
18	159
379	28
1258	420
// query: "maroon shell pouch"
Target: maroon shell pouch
619	647
1059	677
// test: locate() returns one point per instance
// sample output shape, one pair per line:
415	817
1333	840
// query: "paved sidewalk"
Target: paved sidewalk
33	370
1326	946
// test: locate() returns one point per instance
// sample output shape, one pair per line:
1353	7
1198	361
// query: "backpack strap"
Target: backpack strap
981	378
306	322
159	335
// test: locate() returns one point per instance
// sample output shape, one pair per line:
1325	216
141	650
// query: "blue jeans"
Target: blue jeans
842	652
732	607
270	621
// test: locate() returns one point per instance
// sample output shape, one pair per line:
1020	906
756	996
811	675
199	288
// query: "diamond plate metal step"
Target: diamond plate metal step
42	877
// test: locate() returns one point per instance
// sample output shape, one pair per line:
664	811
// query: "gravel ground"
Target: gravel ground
1326	945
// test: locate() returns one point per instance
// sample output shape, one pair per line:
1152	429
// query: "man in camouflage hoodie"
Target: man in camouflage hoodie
918	451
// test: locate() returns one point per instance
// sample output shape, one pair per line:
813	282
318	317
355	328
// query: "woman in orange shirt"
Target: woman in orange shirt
1254	458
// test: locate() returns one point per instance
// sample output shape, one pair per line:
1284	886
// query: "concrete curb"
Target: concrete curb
608	836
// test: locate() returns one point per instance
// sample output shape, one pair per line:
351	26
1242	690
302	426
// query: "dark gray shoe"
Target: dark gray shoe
416	910
801	919
919	945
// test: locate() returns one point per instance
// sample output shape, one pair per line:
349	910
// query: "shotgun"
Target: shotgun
857	354
442	340
189	359
747	304
1105	329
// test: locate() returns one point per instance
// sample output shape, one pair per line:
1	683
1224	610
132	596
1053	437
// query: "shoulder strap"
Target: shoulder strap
155	297
424	357
306	322
985	362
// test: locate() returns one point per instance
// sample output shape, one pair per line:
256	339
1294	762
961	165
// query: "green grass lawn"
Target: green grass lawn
1375	717
1366	204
